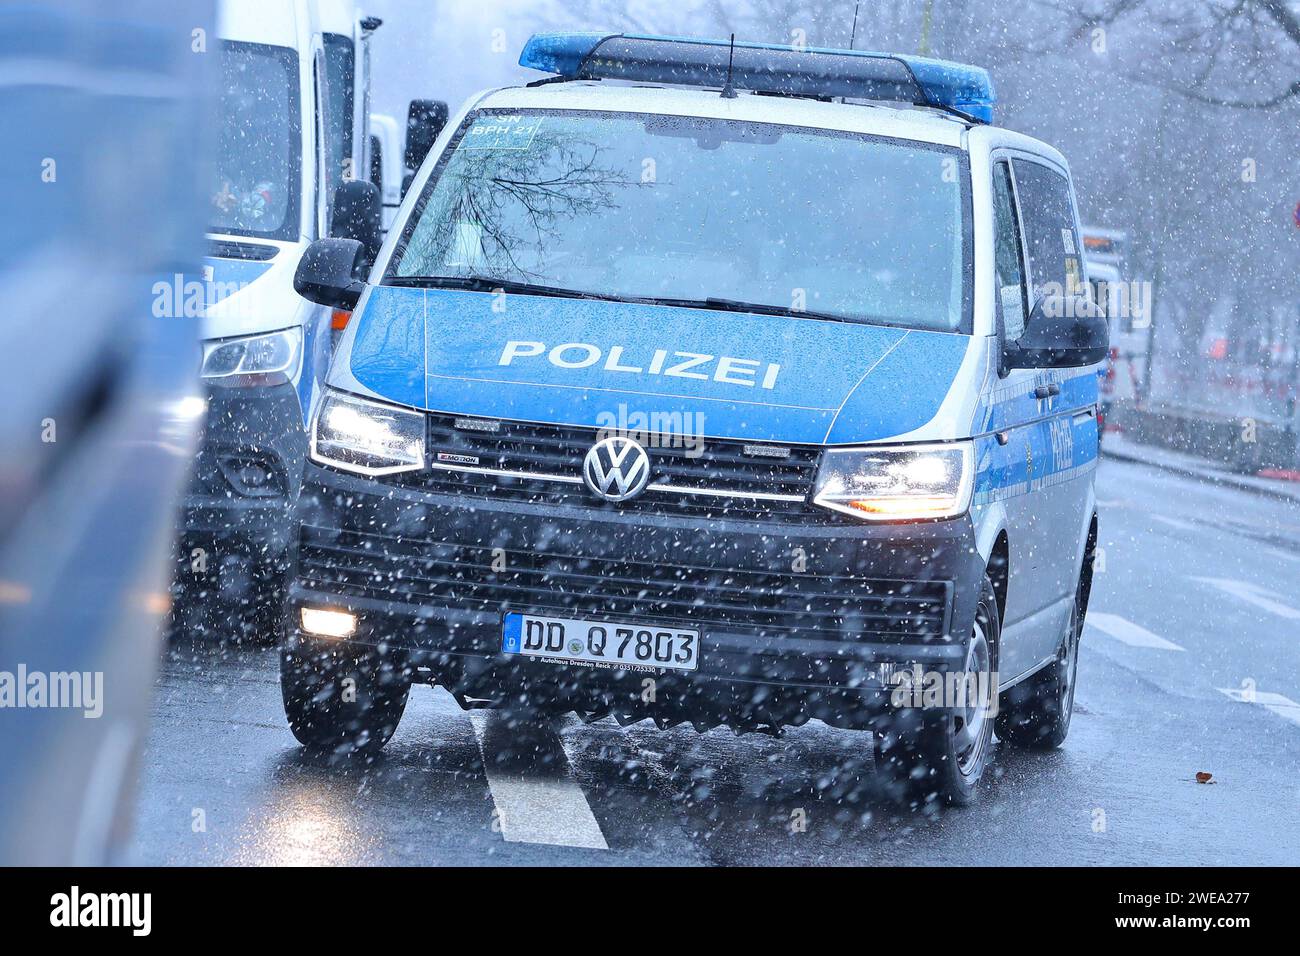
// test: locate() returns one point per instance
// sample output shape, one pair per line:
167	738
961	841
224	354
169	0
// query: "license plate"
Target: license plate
615	644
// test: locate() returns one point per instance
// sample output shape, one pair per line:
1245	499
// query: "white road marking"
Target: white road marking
1175	523
1261	597
1122	629
1284	555
548	807
1284	707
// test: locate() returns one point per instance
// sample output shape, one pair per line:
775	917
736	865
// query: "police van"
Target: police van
711	383
291	161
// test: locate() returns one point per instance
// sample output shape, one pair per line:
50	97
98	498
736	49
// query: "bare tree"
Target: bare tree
1235	43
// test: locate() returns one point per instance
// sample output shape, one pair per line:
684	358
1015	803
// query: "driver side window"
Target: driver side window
1007	255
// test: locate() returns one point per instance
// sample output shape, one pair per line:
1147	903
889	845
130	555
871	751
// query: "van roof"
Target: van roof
336	16
249	21
284	22
906	123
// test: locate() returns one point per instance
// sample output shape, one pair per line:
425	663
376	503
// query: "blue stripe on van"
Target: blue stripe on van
1041	452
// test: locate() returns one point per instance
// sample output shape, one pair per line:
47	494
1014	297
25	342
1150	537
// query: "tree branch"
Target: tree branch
1275	100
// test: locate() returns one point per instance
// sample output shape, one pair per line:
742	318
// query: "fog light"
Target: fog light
254	475
327	623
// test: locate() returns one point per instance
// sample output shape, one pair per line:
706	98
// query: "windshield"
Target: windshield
692	209
255	174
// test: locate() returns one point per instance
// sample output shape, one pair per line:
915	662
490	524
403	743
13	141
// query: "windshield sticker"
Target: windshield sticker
502	132
1067	240
1073	277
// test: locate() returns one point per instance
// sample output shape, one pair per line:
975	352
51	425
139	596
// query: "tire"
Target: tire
241	603
1036	713
326	713
940	753
264	612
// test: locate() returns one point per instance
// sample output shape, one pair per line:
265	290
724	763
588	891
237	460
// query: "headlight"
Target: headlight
367	437
253	355
897	483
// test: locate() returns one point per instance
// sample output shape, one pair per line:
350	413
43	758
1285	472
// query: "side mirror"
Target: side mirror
359	214
329	273
1062	332
424	121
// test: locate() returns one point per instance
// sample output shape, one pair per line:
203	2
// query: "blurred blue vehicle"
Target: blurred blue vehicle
104	113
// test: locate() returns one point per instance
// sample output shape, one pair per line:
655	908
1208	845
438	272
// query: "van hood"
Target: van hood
600	364
244	296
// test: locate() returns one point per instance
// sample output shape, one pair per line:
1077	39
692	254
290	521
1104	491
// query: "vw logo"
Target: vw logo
616	468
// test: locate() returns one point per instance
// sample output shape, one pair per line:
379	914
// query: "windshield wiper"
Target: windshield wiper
758	308
492	284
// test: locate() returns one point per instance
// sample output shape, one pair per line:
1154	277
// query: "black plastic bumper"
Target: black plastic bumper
796	619
248	472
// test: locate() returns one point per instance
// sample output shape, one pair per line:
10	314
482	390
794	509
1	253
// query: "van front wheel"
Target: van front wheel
342	701
940	753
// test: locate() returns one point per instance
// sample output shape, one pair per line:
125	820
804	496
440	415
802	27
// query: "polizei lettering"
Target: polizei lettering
749	373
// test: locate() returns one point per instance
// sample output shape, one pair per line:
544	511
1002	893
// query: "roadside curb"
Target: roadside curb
1124	450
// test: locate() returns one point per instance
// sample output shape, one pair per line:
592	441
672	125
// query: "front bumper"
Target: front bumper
248	472
797	619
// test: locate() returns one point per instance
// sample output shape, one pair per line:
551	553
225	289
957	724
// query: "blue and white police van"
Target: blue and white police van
292	157
716	383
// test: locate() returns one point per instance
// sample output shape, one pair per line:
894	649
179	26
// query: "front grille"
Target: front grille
440	573
743	480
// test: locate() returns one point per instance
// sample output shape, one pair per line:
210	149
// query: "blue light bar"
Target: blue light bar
765	68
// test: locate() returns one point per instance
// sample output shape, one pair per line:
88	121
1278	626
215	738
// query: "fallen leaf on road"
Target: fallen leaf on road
1203	777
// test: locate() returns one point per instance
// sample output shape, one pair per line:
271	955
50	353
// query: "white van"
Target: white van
1128	315
386	162
292	154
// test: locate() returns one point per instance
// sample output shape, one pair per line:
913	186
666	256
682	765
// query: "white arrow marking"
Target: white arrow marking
1261	597
1284	707
1125	630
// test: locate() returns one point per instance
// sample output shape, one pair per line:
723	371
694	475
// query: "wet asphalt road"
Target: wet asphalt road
1197	604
